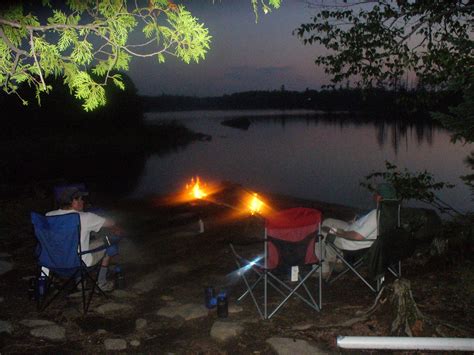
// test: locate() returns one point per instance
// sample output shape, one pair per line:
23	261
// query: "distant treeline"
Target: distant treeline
401	102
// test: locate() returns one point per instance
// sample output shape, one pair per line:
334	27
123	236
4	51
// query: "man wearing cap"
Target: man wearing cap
70	201
357	234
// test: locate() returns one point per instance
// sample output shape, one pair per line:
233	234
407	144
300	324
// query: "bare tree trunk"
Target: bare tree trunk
408	320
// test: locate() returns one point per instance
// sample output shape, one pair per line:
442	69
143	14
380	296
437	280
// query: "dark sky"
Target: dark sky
244	55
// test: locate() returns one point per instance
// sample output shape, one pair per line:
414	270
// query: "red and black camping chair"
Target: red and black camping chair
287	263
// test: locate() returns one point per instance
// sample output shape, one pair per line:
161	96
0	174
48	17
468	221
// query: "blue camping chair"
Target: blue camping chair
59	251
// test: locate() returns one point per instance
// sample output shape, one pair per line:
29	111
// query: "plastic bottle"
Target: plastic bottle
41	286
209	297
222	305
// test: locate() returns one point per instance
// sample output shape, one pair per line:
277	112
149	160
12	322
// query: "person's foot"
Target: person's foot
107	286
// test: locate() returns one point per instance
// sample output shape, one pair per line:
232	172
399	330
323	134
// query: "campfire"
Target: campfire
250	203
195	189
255	205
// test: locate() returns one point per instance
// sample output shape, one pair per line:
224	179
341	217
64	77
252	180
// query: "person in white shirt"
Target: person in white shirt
357	234
71	201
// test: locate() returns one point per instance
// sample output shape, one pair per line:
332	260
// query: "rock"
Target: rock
72	313
115	344
291	346
423	222
187	311
239	122
167	298
113	307
77	294
148	282
5	327
135	342
101	331
140	323
223	331
4	255
2	299
234	308
178	269
304	326
5	266
50	332
123	294
32	323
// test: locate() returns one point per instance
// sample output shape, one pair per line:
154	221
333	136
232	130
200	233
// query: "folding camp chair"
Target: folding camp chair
289	245
59	257
381	256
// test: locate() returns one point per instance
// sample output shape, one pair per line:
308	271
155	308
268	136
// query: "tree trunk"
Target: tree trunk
408	320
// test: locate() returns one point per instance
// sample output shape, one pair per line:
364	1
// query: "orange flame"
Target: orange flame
195	189
255	205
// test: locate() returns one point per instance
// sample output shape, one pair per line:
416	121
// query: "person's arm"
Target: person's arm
360	230
351	235
108	223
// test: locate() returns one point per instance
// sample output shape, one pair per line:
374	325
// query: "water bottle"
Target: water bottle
209	297
41	286
222	305
119	278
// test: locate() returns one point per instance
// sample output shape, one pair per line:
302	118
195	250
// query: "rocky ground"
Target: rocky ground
168	262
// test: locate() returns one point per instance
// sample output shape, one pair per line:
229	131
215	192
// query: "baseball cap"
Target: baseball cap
386	190
70	193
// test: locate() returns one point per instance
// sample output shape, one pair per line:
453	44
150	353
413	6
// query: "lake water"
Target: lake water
297	154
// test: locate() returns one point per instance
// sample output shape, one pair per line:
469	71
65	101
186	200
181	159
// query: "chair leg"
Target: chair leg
94	287
65	286
294	291
353	268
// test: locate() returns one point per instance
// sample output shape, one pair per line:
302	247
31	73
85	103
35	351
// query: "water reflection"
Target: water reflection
394	131
319	157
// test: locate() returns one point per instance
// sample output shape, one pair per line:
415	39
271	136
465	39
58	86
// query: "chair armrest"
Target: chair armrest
102	247
332	237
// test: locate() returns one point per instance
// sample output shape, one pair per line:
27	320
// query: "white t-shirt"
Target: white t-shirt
90	222
365	226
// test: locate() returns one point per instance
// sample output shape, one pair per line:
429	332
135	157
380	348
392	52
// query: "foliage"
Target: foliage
266	6
418	186
381	42
469	179
460	119
86	42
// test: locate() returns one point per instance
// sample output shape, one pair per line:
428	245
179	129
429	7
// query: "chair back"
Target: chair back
59	240
291	237
388	218
390	240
